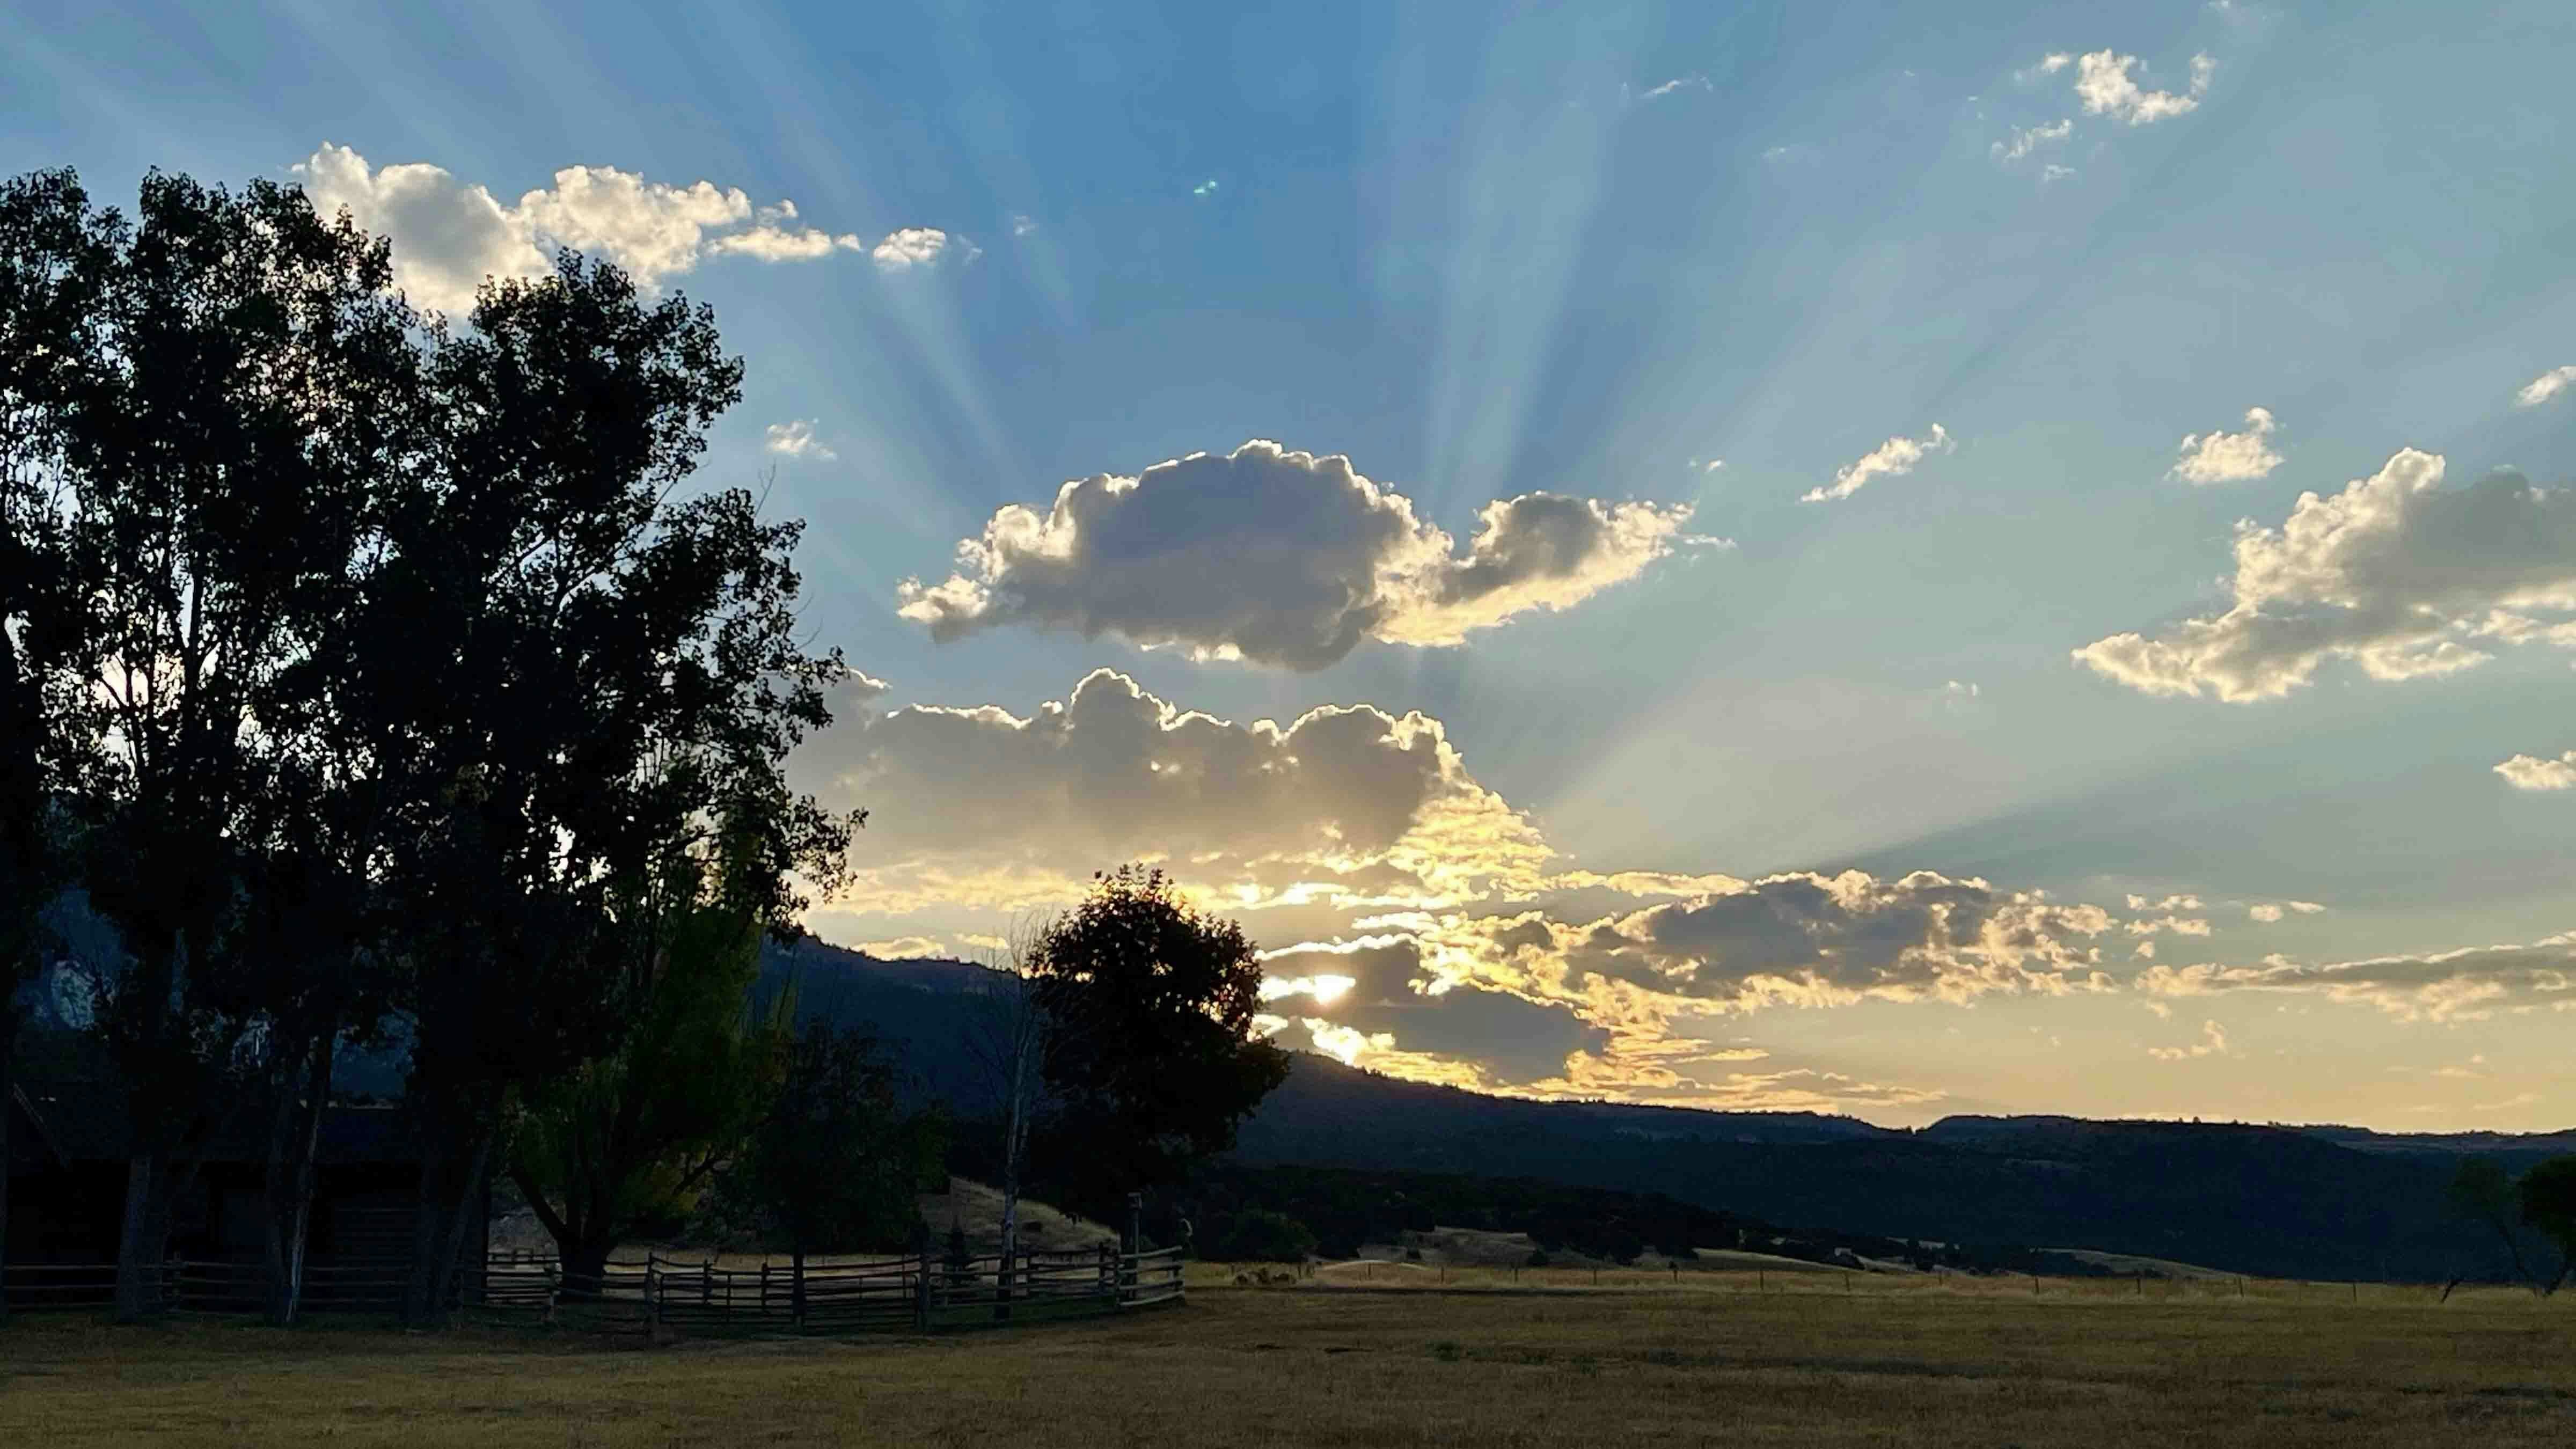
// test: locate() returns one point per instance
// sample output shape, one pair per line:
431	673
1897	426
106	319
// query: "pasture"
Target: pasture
1392	1356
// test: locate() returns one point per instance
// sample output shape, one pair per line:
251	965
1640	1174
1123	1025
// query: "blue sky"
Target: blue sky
1586	252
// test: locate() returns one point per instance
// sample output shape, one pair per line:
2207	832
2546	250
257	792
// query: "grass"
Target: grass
1548	1360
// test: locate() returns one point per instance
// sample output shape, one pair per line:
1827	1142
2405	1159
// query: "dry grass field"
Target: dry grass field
1712	1358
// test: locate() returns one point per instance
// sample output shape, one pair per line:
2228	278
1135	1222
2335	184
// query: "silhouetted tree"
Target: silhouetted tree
630	1137
2483	1192
837	1162
55	250
2547	1198
241	400
1157	1060
570	628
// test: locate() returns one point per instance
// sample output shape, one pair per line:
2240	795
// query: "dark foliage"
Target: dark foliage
837	1161
1155	1060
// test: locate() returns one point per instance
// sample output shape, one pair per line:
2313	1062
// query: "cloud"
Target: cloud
2026	139
2048	174
986	809
1281	558
2103	84
1893	458
2395	573
1799	939
2546	386
2229	457
795	439
2046	65
2529	772
1699	82
2212	1043
770	242
903	948
2266	913
2179	925
1205	188
2169	903
2452	985
449	235
913	246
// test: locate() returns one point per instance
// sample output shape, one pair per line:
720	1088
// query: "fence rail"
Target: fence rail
915	1292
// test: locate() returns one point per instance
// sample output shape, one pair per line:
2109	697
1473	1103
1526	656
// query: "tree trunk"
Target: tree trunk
451	1168
143	1237
295	1136
8	1089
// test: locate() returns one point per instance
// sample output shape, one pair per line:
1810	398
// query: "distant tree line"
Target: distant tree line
379	679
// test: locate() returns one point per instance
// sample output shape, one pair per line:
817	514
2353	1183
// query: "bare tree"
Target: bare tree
1008	1035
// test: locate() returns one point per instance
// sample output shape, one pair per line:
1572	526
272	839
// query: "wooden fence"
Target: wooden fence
659	1294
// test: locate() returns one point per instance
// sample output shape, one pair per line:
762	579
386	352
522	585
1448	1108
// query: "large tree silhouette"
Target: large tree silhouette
1155	1060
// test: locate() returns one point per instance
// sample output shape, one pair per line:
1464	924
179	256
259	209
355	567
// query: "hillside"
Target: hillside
2325	1202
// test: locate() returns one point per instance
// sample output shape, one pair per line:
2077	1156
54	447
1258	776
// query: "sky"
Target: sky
1893	560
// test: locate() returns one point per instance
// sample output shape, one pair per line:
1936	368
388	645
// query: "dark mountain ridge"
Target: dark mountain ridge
2288	1201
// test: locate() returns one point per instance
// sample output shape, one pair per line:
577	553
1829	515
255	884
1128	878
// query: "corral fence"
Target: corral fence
915	1292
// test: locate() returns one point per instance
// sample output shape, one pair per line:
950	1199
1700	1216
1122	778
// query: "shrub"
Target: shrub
1258	1235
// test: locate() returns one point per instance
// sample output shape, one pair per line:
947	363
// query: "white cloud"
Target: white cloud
1893	459
2217	457
2048	174
2265	912
2169	903
1021	225
1281	558
2546	386
2026	139
2212	1043
1699	82
2453	985
448	235
2396	573
913	246
2103	84
2529	772
1205	188
796	439
770	243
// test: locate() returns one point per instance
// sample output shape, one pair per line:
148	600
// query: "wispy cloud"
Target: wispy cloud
2546	386
2026	139
1892	459
795	439
2212	1043
1677	83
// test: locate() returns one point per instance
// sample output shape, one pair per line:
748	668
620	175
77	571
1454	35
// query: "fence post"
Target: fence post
921	1281
1109	1271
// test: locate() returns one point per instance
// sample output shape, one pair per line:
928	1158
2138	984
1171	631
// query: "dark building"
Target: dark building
68	1145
